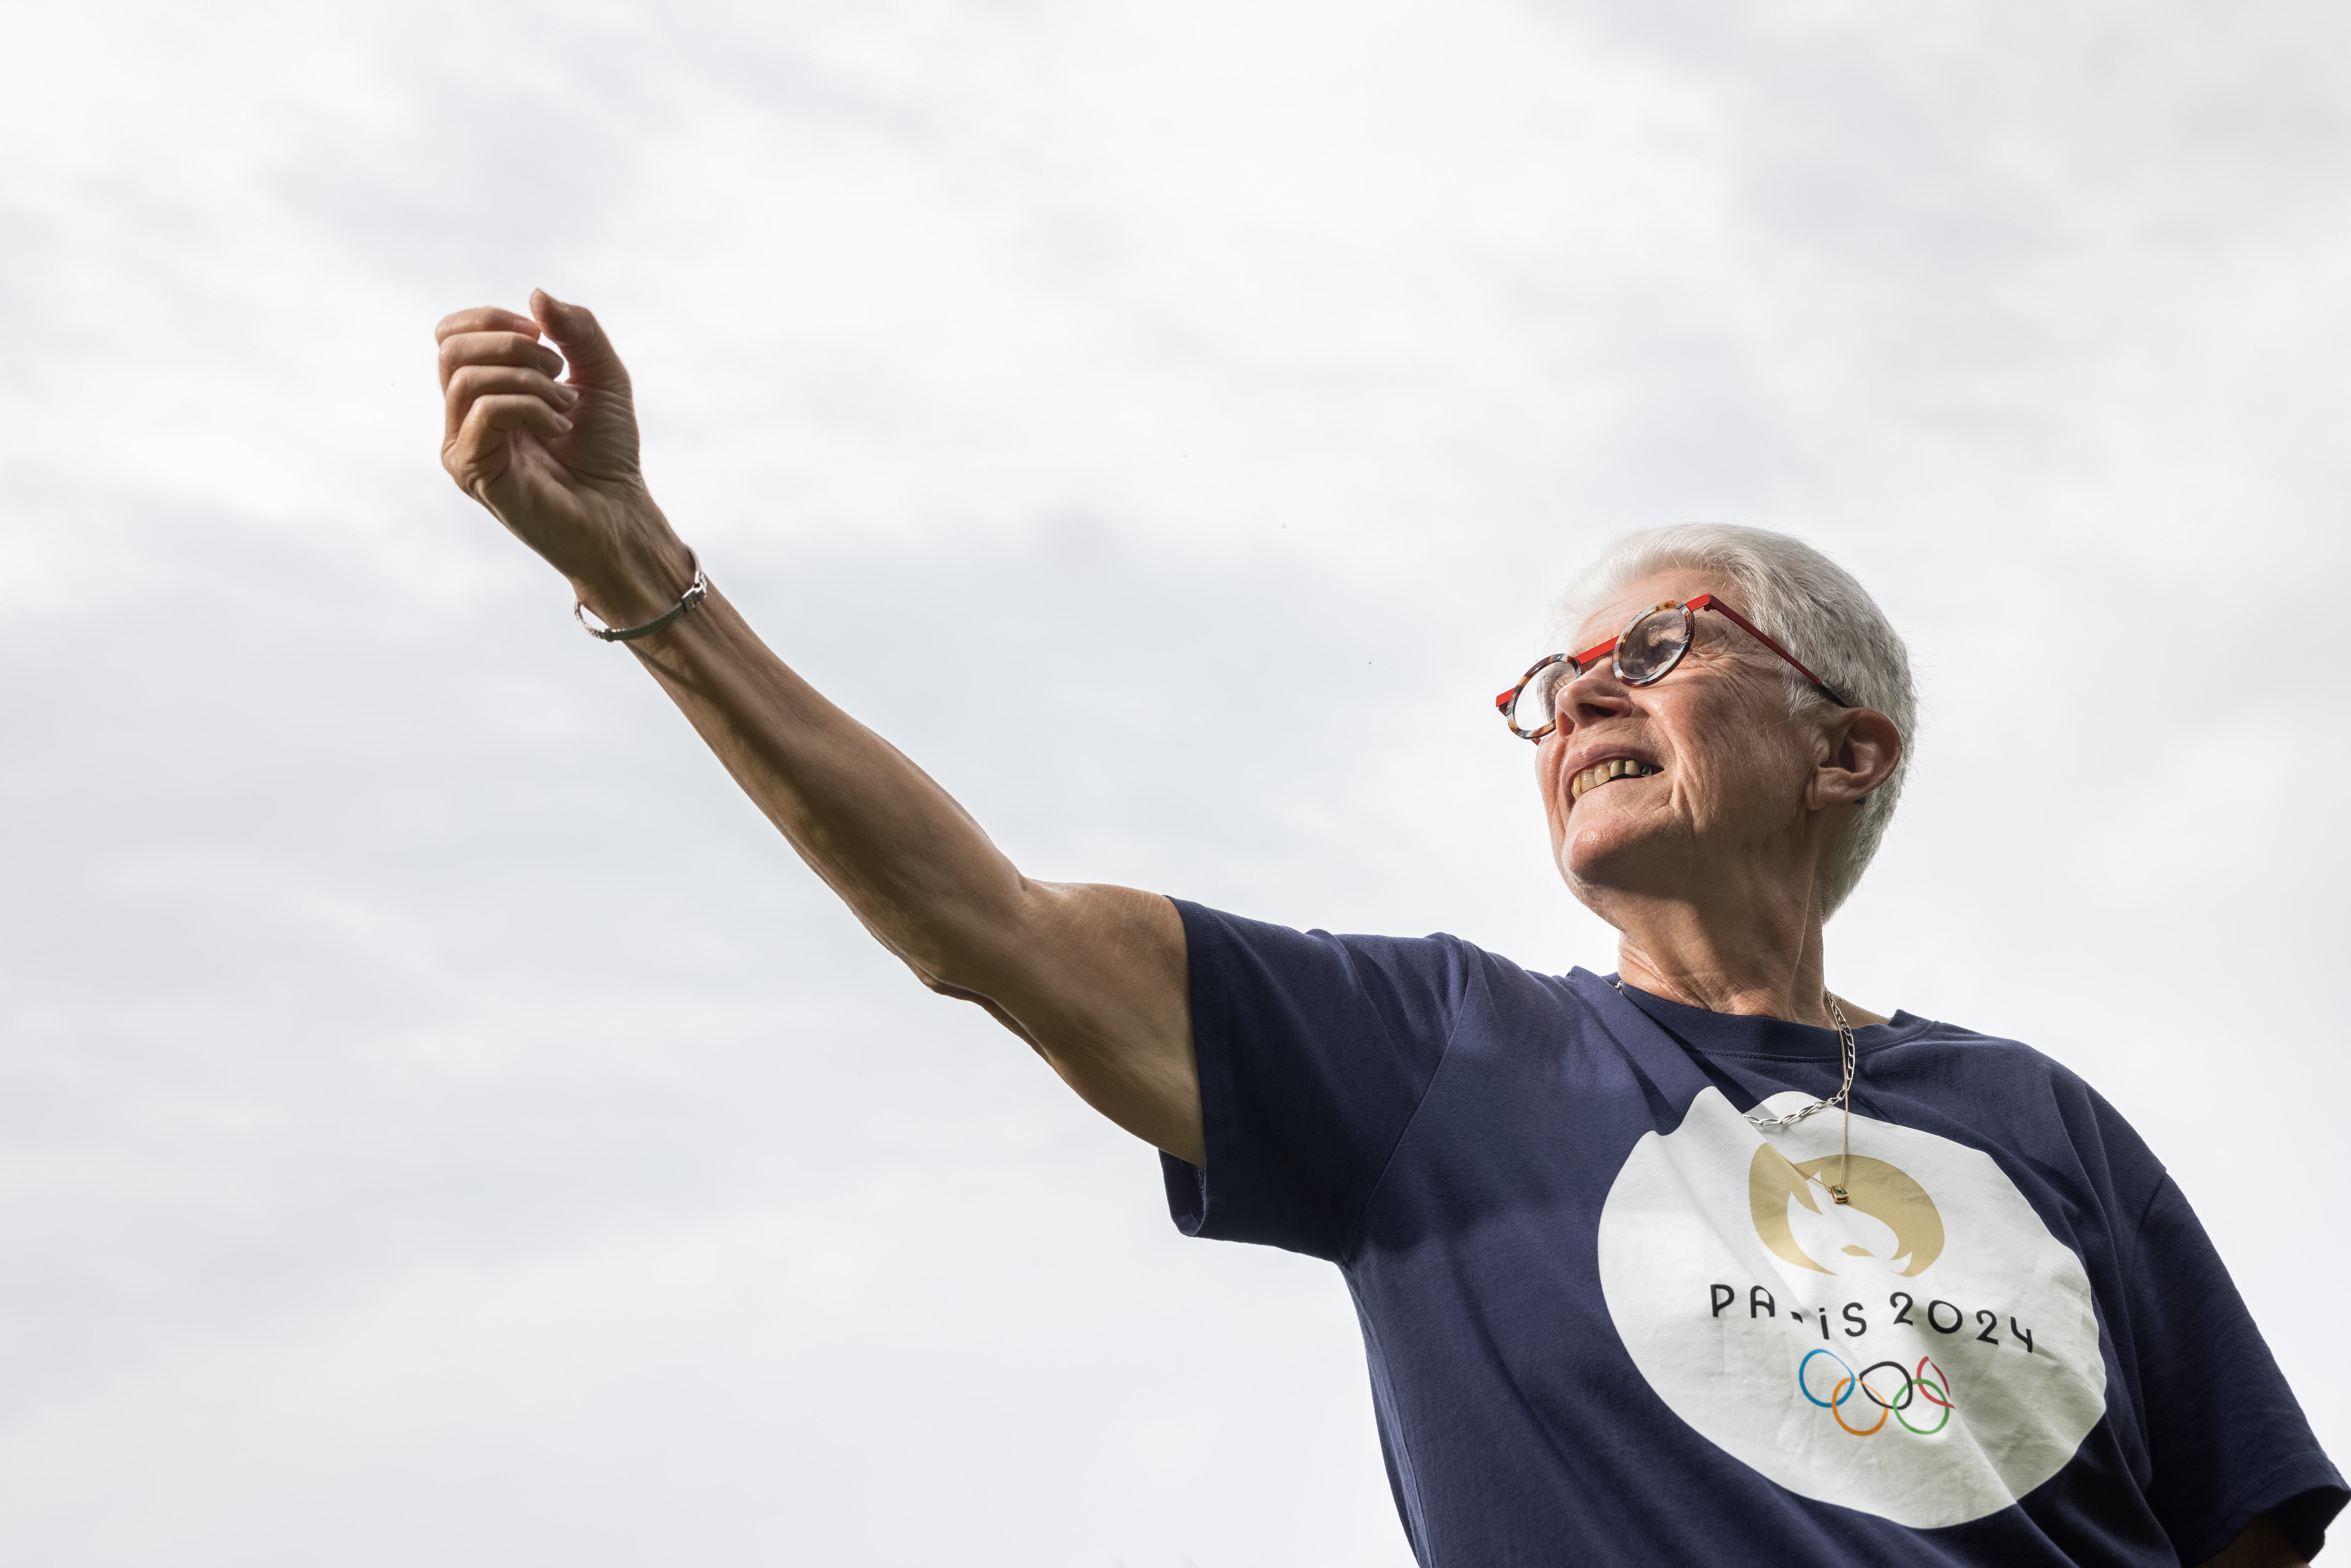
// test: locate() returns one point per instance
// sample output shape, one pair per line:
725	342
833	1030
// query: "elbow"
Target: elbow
986	1004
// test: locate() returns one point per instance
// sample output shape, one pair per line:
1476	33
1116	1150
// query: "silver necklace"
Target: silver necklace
1851	1055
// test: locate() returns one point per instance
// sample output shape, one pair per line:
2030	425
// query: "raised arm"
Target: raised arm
1091	977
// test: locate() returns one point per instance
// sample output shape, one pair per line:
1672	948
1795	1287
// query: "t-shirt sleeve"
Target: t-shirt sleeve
2225	1436
1314	1052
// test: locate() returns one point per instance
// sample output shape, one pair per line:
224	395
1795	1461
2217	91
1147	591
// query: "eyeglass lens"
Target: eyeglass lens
1534	710
1653	646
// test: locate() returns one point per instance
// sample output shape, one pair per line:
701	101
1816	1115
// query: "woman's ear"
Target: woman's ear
1863	750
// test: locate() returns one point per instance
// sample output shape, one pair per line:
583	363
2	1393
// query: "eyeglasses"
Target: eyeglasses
1645	652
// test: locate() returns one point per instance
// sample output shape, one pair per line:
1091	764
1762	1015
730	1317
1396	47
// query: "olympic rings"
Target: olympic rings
1916	1386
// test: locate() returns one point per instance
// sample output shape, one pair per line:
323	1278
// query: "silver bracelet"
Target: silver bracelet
693	595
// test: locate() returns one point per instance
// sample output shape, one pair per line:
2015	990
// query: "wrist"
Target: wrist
649	566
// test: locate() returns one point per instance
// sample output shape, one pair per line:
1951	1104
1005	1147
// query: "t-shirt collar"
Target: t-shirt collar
1743	1034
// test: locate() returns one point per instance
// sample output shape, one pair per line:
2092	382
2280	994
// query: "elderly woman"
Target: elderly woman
1699	1262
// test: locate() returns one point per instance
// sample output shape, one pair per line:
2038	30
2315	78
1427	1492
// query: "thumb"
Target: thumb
573	328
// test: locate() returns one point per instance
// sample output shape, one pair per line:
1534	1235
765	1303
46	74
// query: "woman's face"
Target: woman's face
1721	789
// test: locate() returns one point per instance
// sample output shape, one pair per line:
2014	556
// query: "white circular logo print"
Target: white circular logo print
1925	1351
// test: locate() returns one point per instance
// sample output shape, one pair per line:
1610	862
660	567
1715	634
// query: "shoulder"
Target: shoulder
1925	1043
2013	1098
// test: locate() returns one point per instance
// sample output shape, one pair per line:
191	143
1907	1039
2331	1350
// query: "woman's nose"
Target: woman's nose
1595	695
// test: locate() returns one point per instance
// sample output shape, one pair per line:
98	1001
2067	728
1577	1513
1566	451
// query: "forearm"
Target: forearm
1091	977
910	863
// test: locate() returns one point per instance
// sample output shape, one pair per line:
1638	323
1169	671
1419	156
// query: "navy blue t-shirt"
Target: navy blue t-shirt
1609	1320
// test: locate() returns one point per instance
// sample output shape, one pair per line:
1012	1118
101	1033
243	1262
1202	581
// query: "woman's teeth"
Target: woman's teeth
1599	773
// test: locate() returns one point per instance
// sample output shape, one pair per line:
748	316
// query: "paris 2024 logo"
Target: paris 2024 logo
1926	1351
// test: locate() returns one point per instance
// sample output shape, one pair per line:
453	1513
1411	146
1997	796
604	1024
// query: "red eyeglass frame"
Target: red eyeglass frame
1582	662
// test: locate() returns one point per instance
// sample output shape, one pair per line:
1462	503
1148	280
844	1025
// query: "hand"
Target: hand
555	462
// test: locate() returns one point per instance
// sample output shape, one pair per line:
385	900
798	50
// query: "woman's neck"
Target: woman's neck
1762	957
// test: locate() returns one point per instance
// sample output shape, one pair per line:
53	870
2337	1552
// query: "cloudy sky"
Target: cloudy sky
440	1122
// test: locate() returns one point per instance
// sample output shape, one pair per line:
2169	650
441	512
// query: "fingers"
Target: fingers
484	319
477	452
522	348
497	378
575	330
466	384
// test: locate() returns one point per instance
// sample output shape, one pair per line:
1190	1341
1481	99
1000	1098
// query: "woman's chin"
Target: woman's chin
1609	852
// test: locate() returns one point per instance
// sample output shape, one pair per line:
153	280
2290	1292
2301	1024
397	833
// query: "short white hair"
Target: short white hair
1814	608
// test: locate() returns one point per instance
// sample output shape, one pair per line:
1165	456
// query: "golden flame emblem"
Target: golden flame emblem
1904	1232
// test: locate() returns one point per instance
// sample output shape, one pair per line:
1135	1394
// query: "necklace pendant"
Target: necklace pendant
1840	1194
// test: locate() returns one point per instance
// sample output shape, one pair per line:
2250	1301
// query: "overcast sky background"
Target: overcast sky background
439	1121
